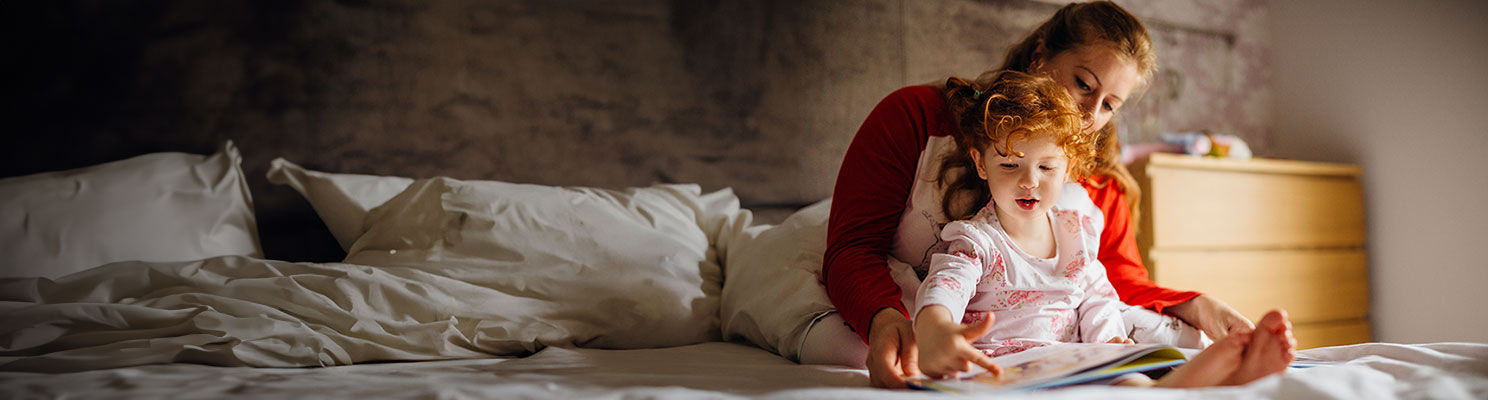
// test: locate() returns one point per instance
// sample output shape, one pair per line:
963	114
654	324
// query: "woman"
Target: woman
884	202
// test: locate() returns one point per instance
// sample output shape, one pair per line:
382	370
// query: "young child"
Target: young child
1020	269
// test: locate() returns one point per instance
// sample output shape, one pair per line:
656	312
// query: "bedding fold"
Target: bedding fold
241	311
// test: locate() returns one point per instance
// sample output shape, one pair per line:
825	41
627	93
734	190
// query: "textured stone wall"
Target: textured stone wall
762	96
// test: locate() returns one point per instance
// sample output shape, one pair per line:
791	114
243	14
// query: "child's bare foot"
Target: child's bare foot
1241	357
1211	367
1272	348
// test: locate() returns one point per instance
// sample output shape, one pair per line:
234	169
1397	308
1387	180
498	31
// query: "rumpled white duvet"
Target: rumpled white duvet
240	311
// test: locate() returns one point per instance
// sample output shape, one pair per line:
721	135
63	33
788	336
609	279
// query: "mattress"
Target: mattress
728	370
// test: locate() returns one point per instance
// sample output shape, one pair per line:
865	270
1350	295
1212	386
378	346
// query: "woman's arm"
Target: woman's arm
872	191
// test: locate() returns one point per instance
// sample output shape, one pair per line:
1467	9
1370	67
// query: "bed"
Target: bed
461	288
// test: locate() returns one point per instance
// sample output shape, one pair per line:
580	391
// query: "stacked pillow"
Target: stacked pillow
154	207
581	266
341	200
574	266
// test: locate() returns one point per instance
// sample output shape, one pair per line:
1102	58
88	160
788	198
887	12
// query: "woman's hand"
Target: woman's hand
891	350
946	345
1212	316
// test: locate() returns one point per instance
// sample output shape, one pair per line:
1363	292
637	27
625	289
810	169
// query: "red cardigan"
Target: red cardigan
872	191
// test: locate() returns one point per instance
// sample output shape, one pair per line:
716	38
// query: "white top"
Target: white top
1036	301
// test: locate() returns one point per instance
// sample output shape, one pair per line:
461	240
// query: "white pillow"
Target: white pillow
772	291
566	266
154	207
341	200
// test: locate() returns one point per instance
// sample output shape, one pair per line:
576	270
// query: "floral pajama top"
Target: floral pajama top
1036	301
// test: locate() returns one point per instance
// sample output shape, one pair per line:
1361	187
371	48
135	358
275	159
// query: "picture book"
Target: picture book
1058	365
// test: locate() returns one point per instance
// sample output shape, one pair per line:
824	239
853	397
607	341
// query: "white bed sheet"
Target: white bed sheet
727	370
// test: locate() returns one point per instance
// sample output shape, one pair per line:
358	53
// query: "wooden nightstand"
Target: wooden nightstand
1261	234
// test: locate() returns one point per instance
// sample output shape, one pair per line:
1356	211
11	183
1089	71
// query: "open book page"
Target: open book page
1059	365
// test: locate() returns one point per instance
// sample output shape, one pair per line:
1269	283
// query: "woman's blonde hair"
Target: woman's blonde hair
1101	23
993	113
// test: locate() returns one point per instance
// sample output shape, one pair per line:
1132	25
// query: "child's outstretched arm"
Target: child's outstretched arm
945	346
941	301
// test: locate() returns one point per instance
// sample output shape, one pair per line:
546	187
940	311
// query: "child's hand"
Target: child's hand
945	346
1121	340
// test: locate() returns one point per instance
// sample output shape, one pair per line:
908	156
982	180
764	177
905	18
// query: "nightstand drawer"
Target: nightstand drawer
1259	235
1312	285
1247	209
1319	334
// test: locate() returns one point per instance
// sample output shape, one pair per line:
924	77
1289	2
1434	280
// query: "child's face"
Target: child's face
1024	187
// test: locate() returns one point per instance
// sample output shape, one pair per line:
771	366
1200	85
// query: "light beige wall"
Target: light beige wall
1401	88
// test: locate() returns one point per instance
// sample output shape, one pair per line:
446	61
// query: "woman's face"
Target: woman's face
1097	78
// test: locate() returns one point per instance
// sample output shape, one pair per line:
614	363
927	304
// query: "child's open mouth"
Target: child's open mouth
1027	204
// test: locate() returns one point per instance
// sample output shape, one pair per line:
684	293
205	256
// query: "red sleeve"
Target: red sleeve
1118	252
872	192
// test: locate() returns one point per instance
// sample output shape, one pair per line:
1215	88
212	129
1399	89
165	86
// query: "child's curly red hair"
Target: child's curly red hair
992	114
